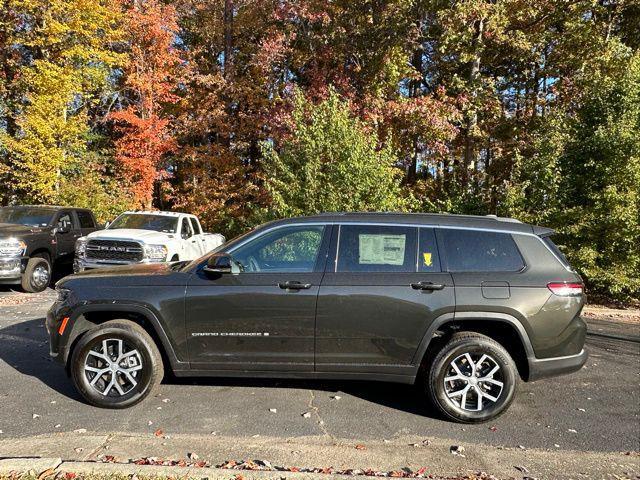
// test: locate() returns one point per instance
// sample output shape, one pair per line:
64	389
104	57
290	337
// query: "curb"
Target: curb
55	466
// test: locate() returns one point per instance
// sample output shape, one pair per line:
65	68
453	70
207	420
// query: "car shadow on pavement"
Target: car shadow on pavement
24	346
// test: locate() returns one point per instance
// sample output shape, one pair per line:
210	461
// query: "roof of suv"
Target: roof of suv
489	222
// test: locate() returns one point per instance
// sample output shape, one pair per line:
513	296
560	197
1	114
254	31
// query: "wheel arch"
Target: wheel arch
88	317
38	250
503	328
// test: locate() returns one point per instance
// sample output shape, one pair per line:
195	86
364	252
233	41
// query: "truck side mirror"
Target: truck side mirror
221	263
64	228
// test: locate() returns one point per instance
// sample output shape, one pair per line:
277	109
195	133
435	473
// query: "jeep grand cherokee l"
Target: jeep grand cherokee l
464	306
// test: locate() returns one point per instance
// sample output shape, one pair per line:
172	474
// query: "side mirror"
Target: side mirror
65	228
106	225
219	263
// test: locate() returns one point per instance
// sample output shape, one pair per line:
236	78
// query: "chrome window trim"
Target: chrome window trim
402	224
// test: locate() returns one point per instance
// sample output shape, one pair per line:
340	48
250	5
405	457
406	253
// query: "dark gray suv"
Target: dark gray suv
464	306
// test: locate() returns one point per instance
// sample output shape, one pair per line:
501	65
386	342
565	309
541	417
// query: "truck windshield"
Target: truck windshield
157	223
30	216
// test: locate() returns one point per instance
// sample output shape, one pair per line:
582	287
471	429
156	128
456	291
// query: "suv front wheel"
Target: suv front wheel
472	379
116	365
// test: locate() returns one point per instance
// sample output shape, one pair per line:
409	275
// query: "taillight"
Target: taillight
566	289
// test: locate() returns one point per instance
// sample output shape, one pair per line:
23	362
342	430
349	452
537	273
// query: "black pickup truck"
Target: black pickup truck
34	239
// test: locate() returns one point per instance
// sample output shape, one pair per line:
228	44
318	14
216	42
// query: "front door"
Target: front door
262	319
379	297
67	232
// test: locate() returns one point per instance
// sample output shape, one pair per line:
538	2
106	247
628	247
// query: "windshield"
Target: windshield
157	223
32	217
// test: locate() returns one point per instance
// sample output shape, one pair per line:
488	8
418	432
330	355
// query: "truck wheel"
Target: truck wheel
472	379
37	275
116	365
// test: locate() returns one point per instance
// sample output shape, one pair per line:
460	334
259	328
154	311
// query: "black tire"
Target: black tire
33	278
134	337
476	345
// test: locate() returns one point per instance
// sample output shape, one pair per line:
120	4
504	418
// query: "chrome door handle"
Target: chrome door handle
294	286
427	286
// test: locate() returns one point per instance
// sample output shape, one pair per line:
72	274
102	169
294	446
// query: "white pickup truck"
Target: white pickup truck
145	237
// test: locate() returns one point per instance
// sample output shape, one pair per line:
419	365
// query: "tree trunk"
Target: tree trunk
228	36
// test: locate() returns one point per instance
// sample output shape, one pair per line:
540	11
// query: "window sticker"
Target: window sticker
427	258
381	249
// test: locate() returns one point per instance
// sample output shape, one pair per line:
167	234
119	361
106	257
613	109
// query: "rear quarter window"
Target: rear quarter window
85	219
480	251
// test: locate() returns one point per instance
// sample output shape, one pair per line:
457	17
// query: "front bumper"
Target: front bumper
552	367
81	264
11	269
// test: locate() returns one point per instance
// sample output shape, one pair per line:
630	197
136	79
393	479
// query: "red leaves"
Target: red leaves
263	465
152	76
158	433
360	447
70	475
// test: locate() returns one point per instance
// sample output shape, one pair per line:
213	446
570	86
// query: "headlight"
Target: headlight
155	253
81	247
12	247
63	294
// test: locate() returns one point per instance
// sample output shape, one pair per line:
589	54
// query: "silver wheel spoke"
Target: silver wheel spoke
495	382
121	364
458	385
490	397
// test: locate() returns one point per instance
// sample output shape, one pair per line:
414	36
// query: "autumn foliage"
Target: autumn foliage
150	83
474	106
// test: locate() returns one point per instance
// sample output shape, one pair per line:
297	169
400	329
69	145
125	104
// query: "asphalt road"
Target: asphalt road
596	409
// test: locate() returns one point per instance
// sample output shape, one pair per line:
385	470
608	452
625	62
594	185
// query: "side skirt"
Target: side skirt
381	377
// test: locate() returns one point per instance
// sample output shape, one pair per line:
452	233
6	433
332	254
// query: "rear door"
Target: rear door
86	222
198	237
378	297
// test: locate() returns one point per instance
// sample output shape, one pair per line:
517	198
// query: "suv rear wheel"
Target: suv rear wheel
472	379
116	365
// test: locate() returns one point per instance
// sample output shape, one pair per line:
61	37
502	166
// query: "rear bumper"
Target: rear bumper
552	367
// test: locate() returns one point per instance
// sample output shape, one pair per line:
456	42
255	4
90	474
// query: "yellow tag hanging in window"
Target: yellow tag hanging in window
428	262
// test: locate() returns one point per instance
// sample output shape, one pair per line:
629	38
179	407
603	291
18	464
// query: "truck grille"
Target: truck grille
114	250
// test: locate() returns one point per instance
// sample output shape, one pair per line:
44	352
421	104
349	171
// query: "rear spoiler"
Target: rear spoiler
543	231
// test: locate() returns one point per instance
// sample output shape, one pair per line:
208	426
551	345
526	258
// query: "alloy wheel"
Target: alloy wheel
473	382
112	367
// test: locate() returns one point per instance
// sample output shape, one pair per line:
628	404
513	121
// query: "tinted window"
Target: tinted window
85	218
195	226
186	230
64	219
158	223
428	258
32	216
478	251
291	249
369	248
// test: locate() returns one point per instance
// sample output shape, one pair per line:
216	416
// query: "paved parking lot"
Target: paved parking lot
597	409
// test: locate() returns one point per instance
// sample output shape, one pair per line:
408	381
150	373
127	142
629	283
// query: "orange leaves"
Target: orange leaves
151	78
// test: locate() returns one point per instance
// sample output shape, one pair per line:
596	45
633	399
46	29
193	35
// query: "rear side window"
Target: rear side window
479	251
372	248
85	219
195	226
428	258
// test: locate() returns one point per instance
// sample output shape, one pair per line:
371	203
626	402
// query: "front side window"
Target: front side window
64	220
186	229
481	251
373	248
157	223
289	249
30	216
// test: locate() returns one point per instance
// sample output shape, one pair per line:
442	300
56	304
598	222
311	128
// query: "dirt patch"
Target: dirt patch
612	314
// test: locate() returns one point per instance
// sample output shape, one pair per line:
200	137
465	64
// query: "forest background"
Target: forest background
241	111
